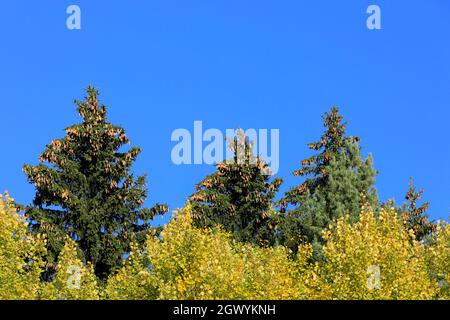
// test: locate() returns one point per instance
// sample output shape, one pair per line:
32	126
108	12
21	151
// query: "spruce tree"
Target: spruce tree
239	196
84	189
415	217
337	181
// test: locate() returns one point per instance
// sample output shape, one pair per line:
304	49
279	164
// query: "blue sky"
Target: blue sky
160	65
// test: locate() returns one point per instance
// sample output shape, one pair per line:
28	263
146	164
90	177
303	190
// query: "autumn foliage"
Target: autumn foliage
87	236
187	262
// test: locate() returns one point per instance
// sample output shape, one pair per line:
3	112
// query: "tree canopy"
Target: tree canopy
239	196
337	181
84	189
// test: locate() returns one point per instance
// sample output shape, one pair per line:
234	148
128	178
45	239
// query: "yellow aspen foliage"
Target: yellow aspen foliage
192	263
134	281
375	258
73	280
269	273
309	285
438	257
20	255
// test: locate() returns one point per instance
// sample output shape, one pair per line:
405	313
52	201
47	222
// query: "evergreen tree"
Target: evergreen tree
239	196
84	189
338	181
414	217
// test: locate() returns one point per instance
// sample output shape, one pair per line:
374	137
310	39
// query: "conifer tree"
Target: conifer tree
239	196
337	181
415	217
84	189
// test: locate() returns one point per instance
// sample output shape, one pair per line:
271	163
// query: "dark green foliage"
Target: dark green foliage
239	196
338	181
415	217
84	189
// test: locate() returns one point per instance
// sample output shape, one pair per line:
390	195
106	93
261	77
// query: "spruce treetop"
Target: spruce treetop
332	143
414	216
84	189
239	195
337	181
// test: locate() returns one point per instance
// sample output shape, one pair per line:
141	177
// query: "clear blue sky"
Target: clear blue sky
160	65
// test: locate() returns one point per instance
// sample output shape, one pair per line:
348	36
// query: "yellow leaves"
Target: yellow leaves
438	260
374	258
353	250
74	280
133	281
191	263
20	255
